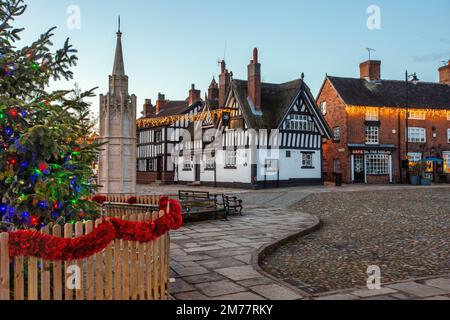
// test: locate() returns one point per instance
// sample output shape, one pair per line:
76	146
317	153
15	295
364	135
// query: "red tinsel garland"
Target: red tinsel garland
32	243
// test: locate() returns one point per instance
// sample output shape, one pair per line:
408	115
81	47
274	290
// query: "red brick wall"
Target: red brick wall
336	117
151	177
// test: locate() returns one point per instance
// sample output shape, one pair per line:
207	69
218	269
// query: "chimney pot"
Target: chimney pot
255	55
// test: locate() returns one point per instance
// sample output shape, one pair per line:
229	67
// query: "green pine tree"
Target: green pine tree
47	156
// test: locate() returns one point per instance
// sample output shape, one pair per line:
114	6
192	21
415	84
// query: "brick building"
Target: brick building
368	118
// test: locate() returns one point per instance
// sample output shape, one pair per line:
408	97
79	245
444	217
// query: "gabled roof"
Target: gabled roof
275	102
172	108
392	93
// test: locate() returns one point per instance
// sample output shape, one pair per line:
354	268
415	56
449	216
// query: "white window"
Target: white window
417	115
377	164
230	159
372	114
448	135
299	123
209	163
414	157
417	135
323	107
187	162
372	134
142	165
446	157
151	165
307	160
337	134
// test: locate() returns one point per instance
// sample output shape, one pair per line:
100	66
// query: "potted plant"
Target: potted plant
414	175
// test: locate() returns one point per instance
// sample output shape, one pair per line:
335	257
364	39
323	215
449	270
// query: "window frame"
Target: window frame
188	160
307	160
230	159
300	122
417	115
370	114
323	108
446	157
370	135
419	131
338	129
379	165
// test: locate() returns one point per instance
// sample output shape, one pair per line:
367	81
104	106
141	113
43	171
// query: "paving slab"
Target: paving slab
201	278
440	283
366	293
338	297
243	296
276	292
180	286
417	289
221	263
219	288
239	273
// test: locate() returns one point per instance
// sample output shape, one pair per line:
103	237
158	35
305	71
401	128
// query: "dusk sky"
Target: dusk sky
172	43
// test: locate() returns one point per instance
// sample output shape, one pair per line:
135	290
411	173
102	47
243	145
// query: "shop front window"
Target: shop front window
446	157
377	164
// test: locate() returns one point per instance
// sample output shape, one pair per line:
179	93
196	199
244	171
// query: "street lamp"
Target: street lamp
414	80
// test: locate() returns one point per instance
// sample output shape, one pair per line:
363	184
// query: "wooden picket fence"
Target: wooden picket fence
125	270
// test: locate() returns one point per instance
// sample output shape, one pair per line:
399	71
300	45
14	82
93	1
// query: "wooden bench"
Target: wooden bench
201	203
233	205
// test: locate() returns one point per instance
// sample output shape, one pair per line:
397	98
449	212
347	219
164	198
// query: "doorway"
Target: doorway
159	168
358	169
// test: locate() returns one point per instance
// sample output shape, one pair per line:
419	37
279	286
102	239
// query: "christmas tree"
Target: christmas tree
47	156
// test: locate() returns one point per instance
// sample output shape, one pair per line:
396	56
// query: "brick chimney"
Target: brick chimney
160	103
444	74
254	81
148	108
194	95
224	83
213	90
370	70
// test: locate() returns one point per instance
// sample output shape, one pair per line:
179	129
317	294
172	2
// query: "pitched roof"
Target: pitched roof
392	93
172	108
275	100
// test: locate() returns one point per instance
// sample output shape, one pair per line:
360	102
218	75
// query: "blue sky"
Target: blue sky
172	43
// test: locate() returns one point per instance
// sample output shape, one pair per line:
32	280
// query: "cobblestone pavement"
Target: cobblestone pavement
404	232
